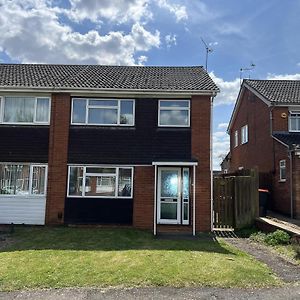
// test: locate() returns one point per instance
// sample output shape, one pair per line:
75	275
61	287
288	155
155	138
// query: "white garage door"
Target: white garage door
19	210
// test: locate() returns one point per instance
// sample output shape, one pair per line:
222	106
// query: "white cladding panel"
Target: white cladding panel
22	210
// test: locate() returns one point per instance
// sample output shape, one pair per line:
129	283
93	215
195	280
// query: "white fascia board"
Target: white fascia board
122	92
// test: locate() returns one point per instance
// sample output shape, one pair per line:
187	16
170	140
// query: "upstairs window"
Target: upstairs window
174	113
282	170
244	134
236	138
294	121
106	112
25	110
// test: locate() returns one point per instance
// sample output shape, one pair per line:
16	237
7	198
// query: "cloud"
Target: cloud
44	39
283	76
223	125
171	39
228	90
179	11
221	145
142	60
120	12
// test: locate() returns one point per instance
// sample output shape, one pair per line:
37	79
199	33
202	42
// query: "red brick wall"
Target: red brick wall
281	190
143	202
296	185
58	156
280	123
200	122
256	114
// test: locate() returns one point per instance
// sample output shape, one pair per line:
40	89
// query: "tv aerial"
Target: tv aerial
249	69
208	50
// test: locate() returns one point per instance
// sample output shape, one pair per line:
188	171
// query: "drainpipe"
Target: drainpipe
291	182
211	164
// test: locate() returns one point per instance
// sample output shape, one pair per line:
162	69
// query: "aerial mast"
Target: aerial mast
208	50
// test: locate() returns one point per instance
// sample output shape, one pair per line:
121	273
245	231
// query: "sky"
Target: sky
161	32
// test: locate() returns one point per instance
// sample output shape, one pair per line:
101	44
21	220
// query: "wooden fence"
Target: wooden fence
236	199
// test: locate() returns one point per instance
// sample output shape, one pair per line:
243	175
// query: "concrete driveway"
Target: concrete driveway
287	292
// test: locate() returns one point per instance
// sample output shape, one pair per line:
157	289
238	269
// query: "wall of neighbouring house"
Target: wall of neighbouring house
296	185
255	153
281	200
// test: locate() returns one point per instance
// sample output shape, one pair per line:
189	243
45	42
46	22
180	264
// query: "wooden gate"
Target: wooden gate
236	200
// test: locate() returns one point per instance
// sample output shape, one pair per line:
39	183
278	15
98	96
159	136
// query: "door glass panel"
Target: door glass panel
185	211
169	183
168	210
186	192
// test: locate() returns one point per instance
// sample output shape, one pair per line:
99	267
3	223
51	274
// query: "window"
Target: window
282	170
174	113
22	179
294	121
103	112
105	182
244	134
236	138
25	110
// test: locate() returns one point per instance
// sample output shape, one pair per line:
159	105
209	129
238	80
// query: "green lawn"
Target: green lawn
69	257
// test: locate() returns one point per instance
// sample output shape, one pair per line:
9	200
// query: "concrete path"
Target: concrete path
288	292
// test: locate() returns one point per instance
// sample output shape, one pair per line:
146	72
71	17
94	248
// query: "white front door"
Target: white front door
169	196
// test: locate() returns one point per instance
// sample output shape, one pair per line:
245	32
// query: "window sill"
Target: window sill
282	180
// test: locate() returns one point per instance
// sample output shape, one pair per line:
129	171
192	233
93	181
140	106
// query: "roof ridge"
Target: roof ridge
98	65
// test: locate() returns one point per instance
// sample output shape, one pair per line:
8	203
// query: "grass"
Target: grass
288	251
73	257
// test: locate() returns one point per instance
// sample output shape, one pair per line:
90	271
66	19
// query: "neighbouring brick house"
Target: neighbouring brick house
87	144
265	133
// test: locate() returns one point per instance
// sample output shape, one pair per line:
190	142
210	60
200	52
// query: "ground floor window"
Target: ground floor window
97	181
22	179
282	170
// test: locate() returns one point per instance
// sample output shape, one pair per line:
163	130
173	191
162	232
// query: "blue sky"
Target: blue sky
160	32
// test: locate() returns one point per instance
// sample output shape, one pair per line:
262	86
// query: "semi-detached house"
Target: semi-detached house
90	144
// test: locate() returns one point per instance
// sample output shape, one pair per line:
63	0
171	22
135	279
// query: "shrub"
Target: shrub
258	237
278	237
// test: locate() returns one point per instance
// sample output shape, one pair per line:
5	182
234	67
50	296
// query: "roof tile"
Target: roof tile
106	77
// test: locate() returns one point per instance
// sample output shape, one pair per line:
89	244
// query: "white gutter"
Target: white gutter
168	163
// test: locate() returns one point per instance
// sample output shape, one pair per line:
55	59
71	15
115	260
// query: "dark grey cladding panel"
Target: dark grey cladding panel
24	143
130	145
98	211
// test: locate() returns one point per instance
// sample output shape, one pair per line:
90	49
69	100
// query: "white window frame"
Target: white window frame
2	105
31	166
117	107
188	109
282	165
236	138
293	112
244	134
116	196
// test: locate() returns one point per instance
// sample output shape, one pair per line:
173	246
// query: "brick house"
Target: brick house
265	133
87	144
